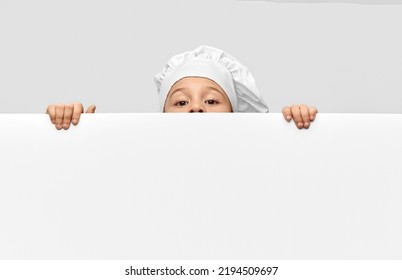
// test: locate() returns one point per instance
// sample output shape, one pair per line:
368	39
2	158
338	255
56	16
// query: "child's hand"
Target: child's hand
302	115
61	115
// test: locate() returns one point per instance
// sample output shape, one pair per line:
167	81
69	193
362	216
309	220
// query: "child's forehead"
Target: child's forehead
188	83
195	81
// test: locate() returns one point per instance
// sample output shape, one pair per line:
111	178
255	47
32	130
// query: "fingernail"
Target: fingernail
74	121
299	124
306	124
58	126
288	117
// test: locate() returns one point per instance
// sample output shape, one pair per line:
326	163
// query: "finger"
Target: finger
77	111
51	110
305	115
287	113
91	109
59	115
313	112
297	116
68	113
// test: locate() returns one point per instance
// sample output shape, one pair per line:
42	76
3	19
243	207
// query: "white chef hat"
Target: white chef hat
212	63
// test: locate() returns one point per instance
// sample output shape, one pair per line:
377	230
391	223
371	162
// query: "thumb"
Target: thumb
91	109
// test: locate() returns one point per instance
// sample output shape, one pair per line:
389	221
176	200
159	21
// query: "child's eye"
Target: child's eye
211	102
181	103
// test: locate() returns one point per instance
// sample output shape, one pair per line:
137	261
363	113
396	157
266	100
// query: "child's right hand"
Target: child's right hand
62	115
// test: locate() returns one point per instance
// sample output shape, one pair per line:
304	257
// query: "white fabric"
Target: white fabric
219	66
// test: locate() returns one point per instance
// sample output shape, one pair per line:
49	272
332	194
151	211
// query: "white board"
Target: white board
201	186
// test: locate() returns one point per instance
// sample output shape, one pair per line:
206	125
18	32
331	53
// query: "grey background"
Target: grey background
361	2
338	57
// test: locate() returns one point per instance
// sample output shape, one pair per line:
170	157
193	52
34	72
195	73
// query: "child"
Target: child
200	81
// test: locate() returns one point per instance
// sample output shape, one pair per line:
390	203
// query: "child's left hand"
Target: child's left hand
302	115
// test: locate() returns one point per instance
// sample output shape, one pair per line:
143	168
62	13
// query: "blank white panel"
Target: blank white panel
201	186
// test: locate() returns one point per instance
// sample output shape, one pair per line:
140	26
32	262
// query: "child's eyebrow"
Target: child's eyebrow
207	87
176	90
215	89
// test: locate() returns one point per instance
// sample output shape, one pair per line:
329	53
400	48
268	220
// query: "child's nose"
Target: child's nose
196	108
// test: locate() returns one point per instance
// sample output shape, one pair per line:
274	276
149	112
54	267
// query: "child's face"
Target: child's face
197	95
